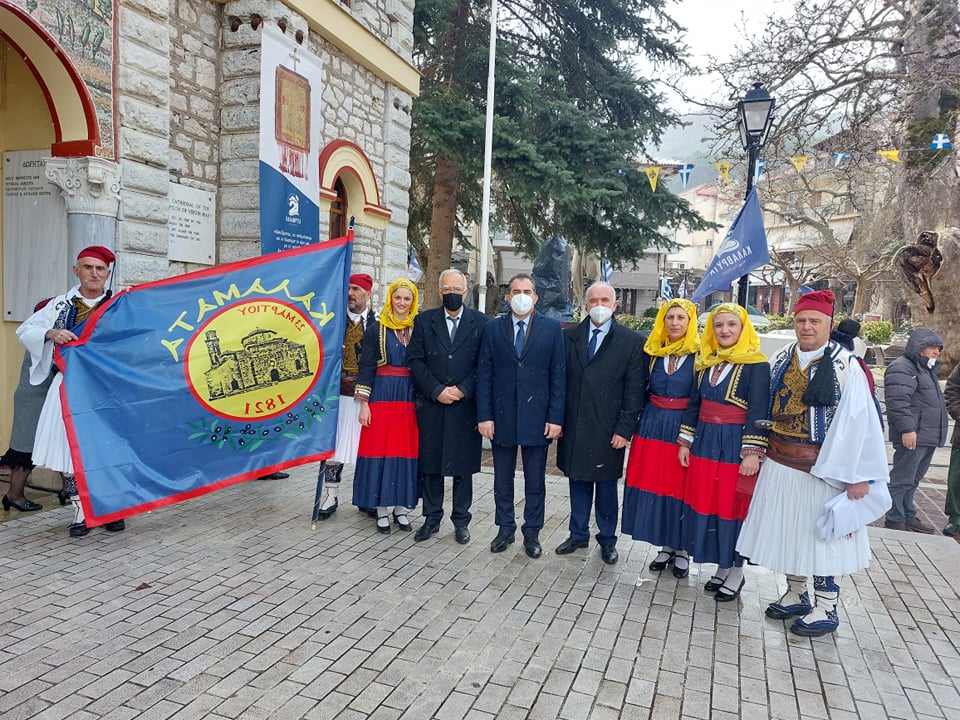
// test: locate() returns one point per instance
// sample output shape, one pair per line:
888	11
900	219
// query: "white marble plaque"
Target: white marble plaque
34	234
192	225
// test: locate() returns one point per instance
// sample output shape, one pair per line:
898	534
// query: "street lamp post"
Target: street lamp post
756	117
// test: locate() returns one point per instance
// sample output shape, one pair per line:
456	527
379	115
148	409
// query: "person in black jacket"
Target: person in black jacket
442	358
606	377
917	417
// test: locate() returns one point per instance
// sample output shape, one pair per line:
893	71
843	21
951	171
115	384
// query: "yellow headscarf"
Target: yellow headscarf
659	345
387	318
745	352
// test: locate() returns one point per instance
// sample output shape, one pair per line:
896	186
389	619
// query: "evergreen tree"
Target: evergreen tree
572	120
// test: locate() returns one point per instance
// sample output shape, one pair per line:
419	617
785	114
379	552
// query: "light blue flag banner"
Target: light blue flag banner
665	291
684	169
290	96
682	290
185	385
743	249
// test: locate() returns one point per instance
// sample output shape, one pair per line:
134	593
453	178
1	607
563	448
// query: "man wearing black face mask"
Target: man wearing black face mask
442	357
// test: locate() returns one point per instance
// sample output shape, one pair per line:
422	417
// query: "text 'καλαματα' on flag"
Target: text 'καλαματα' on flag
743	249
186	385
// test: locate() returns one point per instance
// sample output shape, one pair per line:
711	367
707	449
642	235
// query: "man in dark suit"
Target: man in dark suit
521	383
442	357
606	376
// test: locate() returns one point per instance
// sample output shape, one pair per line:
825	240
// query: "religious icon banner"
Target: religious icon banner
186	385
289	143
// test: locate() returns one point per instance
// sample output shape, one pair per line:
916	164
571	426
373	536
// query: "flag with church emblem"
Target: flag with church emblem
182	386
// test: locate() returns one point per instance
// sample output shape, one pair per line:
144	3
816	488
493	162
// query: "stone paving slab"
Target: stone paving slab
228	606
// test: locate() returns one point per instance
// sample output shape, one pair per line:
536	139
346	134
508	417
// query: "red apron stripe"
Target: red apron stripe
388	434
653	466
711	489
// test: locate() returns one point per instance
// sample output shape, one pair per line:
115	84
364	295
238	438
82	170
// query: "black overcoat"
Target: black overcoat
604	398
449	441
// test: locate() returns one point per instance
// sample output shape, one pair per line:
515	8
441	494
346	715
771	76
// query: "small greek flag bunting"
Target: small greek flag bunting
941	141
684	170
839	157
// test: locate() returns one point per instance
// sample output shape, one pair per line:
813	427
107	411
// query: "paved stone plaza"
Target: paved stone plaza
228	606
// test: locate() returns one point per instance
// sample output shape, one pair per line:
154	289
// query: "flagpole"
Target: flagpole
487	164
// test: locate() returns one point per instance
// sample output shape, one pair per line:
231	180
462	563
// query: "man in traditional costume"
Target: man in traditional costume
825	440
56	323
359	315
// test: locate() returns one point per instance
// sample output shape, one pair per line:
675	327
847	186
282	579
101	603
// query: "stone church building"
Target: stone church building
112	110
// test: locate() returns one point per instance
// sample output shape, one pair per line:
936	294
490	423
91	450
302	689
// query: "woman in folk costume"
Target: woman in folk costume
386	472
653	493
721	447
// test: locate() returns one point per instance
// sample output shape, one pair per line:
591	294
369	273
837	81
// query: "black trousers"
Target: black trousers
431	490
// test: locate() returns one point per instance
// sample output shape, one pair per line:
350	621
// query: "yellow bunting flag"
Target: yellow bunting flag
724	169
799	161
892	155
653	173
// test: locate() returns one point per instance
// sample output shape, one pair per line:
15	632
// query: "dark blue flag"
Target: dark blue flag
182	386
743	249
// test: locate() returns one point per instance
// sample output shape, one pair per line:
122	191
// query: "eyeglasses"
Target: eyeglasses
446	289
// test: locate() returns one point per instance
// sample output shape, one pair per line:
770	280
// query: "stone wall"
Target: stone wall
188	110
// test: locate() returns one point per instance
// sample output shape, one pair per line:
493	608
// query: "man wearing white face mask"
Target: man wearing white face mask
521	388
917	415
606	377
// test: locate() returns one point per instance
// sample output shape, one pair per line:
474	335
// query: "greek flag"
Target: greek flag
682	290
941	141
684	170
665	292
839	157
414	272
606	270
761	166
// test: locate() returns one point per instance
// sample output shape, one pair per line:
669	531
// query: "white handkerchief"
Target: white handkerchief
843	516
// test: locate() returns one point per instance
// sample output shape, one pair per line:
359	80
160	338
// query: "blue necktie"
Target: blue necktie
518	341
592	345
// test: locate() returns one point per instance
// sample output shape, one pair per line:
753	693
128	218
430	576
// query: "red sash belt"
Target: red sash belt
393	371
669	403
721	413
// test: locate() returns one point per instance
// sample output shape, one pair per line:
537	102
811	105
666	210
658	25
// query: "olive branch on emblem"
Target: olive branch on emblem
250	436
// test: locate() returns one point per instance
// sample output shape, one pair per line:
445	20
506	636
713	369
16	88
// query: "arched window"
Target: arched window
338	210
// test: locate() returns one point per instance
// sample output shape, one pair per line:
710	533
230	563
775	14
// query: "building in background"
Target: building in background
136	126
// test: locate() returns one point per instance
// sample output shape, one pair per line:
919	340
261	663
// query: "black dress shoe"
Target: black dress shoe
531	546
661	565
569	545
23	506
462	534
115	526
500	543
275	476
383	529
713	584
79	529
681	572
425	532
609	554
725	594
403	522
